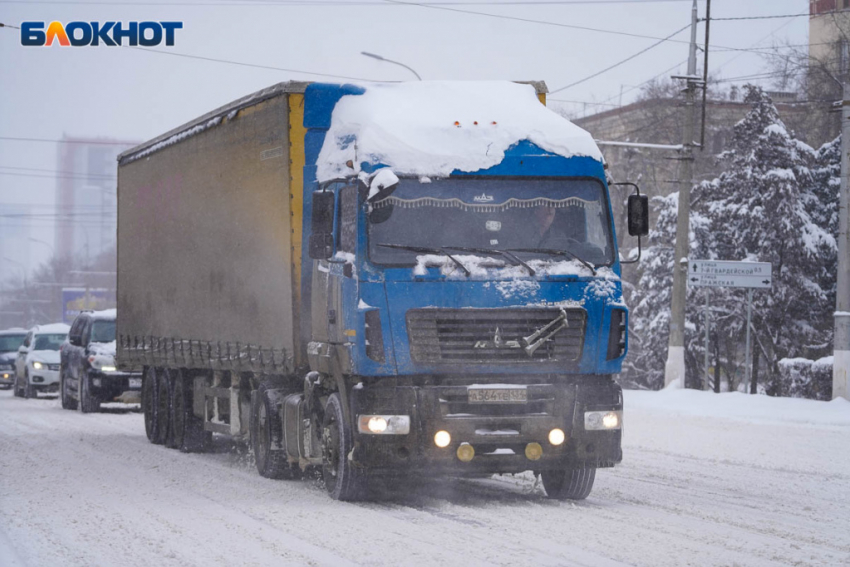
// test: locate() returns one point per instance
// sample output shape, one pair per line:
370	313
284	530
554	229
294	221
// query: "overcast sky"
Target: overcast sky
134	95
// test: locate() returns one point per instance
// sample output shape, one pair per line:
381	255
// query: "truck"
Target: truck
379	281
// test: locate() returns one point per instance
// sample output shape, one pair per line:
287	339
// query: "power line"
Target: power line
337	3
756	17
530	21
99	142
90	175
81	177
269	67
615	65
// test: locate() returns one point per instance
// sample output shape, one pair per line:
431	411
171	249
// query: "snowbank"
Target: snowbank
740	407
432	128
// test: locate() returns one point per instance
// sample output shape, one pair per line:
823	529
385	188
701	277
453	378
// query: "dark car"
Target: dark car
10	341
88	376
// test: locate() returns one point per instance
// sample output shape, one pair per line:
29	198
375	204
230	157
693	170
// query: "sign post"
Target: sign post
713	273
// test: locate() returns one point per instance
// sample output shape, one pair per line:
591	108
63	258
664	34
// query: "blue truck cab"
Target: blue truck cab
465	317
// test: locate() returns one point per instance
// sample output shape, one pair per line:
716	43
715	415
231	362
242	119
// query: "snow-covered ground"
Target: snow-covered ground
707	479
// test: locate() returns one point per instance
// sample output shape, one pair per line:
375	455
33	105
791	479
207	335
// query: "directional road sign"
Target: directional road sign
711	273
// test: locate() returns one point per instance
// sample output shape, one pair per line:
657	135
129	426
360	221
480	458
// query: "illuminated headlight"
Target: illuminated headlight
384	424
107	369
602	420
37	365
442	439
557	436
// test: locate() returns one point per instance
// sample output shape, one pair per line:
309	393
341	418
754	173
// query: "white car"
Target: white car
37	364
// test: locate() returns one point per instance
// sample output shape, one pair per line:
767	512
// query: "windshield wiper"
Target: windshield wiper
567	253
426	250
506	253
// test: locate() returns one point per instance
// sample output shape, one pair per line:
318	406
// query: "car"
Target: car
10	342
37	362
88	376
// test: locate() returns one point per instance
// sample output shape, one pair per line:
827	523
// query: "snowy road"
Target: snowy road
723	480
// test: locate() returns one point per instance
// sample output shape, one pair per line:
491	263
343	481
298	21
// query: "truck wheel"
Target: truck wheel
569	484
149	389
195	439
267	435
68	402
342	480
88	403
163	407
178	408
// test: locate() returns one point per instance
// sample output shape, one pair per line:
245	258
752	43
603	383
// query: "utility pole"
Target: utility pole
841	345
674	370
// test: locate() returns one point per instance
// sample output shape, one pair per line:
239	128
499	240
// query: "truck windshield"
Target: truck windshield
494	214
103	331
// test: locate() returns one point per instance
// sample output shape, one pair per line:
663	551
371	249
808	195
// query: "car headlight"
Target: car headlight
107	369
37	365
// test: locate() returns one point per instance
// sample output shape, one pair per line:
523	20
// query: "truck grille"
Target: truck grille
470	335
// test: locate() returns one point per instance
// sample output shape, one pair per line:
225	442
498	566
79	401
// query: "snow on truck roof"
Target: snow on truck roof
411	126
436	127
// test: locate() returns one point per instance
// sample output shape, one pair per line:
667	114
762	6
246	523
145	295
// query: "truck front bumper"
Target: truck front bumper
500	434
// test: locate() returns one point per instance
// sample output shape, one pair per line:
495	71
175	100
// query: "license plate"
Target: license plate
135	382
497	395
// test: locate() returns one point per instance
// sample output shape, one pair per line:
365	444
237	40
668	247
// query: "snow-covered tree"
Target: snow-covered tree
776	201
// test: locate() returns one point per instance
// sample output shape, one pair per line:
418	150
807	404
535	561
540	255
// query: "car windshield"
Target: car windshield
103	332
9	343
493	214
48	342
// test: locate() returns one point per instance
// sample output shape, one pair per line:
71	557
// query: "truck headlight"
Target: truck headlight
107	369
603	420
384	424
37	365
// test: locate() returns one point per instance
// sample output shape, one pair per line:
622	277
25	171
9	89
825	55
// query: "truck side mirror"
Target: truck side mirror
638	215
322	238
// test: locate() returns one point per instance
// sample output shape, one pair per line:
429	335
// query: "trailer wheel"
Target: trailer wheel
68	402
267	435
163	407
342	480
178	408
88	403
149	402
569	484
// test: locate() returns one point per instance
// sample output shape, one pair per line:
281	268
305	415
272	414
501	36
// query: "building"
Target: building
86	205
829	34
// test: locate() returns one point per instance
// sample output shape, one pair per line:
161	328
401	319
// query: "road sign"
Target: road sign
712	273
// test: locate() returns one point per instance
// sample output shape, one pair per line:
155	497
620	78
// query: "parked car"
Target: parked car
37	363
10	342
87	374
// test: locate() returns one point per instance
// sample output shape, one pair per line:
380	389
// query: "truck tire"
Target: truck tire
187	430
68	402
88	403
342	480
267	434
569	484
149	389
163	407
